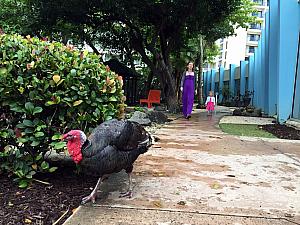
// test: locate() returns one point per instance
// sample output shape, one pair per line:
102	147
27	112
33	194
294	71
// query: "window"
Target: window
251	49
258	2
253	37
255	26
258	14
220	63
221	47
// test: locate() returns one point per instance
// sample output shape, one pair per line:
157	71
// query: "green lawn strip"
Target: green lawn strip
245	130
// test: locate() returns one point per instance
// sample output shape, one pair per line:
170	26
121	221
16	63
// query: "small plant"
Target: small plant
226	93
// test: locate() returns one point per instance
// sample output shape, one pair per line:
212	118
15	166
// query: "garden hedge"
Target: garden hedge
47	88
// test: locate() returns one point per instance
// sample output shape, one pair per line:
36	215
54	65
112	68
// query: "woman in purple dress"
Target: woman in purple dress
188	82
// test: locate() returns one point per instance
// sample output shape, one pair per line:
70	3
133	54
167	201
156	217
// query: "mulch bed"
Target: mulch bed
282	131
43	204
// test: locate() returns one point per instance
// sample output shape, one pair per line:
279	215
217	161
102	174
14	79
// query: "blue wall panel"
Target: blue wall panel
251	73
289	16
221	82
208	80
232	81
256	76
213	76
263	92
267	62
273	56
243	65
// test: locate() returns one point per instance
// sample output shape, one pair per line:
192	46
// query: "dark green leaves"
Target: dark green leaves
47	89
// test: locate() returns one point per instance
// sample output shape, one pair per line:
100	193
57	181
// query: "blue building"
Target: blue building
272	73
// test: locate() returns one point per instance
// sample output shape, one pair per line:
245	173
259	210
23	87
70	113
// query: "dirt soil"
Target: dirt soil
43	204
282	131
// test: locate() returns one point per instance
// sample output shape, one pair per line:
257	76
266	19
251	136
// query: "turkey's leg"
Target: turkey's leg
129	191
93	195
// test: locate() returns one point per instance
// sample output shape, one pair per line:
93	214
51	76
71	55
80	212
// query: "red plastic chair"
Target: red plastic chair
153	97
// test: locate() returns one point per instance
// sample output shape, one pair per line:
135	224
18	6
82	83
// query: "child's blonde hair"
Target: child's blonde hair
211	92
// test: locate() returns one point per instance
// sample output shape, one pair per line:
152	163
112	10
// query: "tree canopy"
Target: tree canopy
153	29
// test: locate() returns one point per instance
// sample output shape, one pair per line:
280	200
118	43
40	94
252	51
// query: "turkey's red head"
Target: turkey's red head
76	139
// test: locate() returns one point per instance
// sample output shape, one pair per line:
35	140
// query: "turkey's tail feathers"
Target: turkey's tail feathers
143	147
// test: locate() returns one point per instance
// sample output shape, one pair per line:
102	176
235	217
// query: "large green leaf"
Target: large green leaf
59	145
29	106
45	165
48	103
56	137
39	134
3	71
21	125
35	143
23	140
37	110
78	102
73	72
112	99
23	184
17	109
53	169
38	157
28	123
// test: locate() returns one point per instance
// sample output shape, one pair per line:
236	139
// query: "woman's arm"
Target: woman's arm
195	81
182	79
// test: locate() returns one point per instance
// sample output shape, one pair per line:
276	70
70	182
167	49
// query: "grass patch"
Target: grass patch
245	130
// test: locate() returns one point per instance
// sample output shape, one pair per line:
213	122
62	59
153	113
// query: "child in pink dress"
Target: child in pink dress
210	103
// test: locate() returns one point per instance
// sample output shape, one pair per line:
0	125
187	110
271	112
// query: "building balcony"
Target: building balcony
263	3
252	43
262	8
253	31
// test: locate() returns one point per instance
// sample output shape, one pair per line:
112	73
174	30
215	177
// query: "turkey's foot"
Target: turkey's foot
128	194
91	197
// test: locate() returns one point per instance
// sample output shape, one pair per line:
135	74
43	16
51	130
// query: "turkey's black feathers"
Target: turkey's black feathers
114	145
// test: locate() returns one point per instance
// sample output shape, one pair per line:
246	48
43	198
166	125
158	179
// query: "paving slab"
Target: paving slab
196	174
128	216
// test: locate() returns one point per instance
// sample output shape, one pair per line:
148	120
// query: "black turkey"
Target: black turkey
113	146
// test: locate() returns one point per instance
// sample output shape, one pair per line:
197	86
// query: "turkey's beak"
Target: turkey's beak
66	137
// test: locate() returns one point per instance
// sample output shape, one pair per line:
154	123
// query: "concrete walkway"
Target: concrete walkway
196	174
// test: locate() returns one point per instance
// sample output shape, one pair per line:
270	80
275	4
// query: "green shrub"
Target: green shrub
47	88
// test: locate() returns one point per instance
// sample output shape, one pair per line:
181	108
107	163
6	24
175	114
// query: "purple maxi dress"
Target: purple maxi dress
188	94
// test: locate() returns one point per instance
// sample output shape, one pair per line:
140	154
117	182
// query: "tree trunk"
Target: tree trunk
200	89
162	70
149	81
168	83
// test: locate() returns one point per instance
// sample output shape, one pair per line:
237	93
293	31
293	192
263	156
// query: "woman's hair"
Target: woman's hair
189	63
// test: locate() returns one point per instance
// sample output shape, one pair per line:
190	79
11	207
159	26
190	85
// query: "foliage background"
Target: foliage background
48	88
